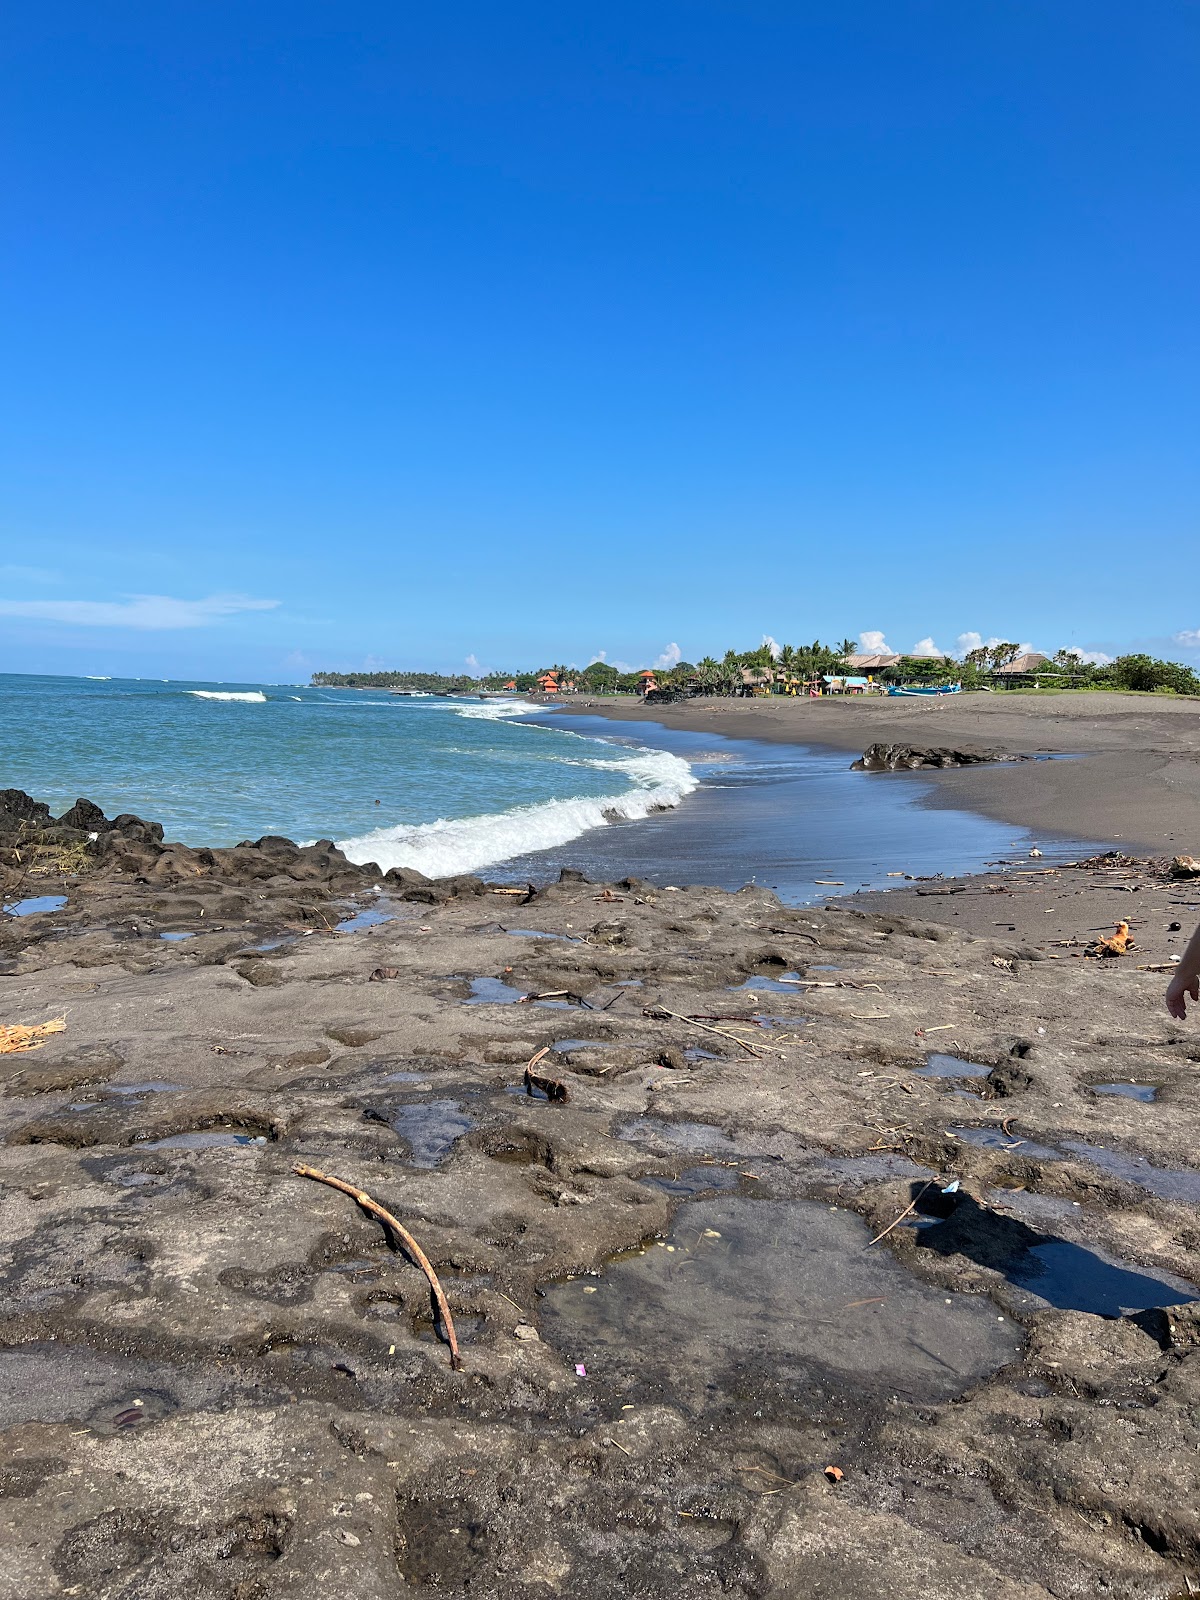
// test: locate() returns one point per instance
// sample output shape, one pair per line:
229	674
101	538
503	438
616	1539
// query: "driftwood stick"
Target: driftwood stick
662	1011
374	1209
908	1210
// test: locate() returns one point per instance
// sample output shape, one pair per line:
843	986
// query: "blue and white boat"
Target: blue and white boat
942	688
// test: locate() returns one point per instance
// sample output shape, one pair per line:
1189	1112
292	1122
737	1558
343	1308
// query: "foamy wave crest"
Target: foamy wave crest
496	710
254	696
465	844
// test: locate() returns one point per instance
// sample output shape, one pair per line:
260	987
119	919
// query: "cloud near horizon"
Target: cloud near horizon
671	657
1090	658
926	647
145	612
872	643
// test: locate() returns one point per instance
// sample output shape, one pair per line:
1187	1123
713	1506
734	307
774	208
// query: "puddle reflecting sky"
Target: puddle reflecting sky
36	904
778	1292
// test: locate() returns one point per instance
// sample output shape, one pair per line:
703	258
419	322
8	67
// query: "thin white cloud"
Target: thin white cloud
771	646
872	643
1188	637
671	657
472	663
1089	658
926	647
967	642
141	611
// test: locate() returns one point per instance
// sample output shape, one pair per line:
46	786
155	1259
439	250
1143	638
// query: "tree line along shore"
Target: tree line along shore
782	669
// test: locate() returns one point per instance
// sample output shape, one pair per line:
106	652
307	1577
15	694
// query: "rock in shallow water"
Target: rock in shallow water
908	758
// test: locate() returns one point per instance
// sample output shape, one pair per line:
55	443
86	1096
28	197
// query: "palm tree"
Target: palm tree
708	671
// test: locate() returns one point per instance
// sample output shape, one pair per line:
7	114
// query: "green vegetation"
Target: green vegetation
789	667
425	682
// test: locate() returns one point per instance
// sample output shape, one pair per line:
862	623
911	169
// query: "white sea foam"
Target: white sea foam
495	710
253	696
98	677
465	844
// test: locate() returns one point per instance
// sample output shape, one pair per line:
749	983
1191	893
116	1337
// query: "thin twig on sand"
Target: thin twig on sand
374	1209
908	1210
661	1011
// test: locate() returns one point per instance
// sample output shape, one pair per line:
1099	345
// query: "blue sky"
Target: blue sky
523	332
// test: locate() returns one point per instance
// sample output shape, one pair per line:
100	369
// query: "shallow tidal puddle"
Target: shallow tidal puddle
997	1139
176	938
938	1065
430	1129
369	918
1145	1092
203	1139
788	983
700	1137
492	992
1168	1183
495	992
785	1293
1072	1277
36	904
692	1181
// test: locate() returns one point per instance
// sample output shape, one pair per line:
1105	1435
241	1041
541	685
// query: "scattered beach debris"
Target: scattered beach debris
412	1248
554	1089
568	995
382	974
1119	943
659	1012
907	1212
16	1036
834	1474
1185	867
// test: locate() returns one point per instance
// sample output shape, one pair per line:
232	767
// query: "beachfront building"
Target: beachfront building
1023	669
845	685
647	682
548	683
872	663
757	683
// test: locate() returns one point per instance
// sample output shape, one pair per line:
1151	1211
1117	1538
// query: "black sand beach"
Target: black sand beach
1138	786
861	1252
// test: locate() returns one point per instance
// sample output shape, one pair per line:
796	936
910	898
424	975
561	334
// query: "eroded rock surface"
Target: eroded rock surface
221	1382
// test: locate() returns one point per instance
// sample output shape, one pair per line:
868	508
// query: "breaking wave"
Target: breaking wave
496	710
466	844
255	696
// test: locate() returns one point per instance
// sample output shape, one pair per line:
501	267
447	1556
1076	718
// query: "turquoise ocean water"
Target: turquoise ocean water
465	786
459	784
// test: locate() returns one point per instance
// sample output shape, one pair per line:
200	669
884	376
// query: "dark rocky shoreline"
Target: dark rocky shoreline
222	1382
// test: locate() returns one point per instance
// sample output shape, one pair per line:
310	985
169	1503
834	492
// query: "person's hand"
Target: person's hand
1179	987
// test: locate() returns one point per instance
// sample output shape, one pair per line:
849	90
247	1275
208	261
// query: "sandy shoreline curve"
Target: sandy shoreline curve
1137	786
